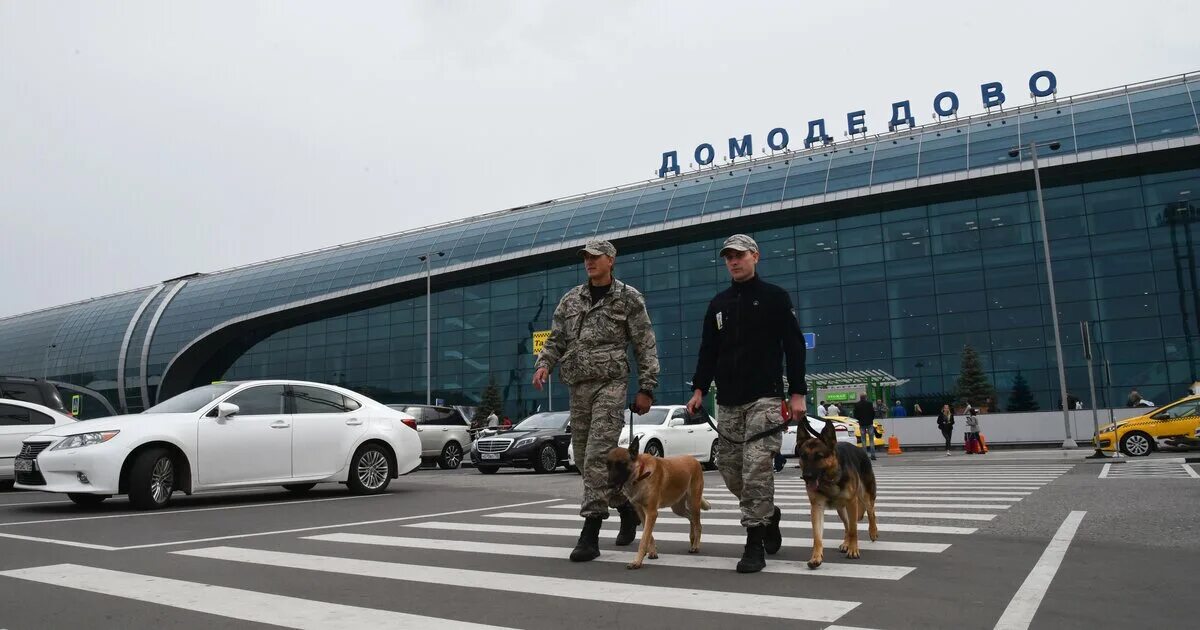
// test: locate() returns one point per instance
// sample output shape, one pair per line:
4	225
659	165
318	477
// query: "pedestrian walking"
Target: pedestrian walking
864	413
594	325
492	420
822	411
833	410
898	411
749	330
945	424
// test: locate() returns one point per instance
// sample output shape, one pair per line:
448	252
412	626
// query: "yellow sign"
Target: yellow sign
539	340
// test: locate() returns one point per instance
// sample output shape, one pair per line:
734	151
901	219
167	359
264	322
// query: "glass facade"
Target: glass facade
906	283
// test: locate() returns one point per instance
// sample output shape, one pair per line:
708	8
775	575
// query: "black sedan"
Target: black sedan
538	442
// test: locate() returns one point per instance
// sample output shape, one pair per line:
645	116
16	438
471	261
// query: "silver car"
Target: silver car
444	433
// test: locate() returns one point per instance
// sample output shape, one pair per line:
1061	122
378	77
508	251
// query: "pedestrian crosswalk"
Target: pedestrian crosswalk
1161	470
519	552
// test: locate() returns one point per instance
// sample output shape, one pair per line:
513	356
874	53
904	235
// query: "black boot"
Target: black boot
588	547
754	558
772	537
629	523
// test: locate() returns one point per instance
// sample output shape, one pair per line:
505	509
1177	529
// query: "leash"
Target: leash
779	428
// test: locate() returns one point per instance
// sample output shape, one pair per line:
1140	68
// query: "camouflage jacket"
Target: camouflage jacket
588	343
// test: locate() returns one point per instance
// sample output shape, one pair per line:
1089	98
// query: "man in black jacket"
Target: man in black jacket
748	331
864	413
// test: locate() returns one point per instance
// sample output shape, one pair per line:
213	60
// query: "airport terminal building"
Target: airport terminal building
898	249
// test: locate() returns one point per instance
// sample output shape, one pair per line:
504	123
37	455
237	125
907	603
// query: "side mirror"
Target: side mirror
224	410
676	422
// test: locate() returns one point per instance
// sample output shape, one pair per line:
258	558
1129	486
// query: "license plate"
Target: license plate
489	455
23	465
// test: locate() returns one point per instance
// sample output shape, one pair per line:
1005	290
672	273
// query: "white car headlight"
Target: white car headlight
524	441
85	439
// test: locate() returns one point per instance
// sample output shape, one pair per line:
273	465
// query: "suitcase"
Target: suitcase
982	443
972	443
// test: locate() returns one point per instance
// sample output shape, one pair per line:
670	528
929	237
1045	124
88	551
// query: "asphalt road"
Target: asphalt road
1011	539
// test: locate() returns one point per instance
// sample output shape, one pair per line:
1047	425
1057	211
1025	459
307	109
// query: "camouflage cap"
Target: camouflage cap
740	242
599	248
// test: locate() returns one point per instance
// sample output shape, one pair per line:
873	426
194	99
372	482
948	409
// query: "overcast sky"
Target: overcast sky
145	140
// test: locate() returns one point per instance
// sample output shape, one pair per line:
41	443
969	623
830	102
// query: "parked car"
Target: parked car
32	390
445	433
1176	424
19	420
854	426
843	430
225	435
668	430
539	442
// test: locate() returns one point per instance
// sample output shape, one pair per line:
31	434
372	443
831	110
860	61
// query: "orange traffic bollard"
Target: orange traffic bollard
893	445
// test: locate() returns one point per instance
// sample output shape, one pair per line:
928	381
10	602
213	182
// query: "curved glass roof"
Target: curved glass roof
1134	114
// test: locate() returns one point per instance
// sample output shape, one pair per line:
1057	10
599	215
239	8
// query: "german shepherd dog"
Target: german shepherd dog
651	483
838	475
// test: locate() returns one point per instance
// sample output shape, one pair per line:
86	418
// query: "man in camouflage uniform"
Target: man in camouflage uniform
748	331
594	325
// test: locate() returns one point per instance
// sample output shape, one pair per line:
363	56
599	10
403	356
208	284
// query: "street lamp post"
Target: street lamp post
428	260
1069	442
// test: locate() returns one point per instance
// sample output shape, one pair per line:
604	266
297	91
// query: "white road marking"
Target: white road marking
71	519
733	522
939	492
888	504
71	543
701	561
265	608
716	539
1020	611
667	514
591	590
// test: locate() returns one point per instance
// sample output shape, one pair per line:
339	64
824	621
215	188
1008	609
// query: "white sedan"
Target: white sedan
667	430
845	433
225	435
19	420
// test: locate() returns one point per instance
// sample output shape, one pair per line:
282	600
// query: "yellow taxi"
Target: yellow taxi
1176	424
858	430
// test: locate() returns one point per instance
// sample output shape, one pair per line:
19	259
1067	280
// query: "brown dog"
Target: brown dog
651	483
838	475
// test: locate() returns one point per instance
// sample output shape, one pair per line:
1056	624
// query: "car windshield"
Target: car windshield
556	420
192	400
656	415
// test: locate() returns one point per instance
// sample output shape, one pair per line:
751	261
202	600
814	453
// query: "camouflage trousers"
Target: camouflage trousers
748	469
597	419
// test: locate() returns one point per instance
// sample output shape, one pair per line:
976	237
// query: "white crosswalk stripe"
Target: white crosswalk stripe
670	519
722	563
805	510
661	536
935	505
1160	470
749	604
275	610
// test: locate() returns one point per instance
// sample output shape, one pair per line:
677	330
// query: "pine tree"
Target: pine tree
1021	398
973	385
490	403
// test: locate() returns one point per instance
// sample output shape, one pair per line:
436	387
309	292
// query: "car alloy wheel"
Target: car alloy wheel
547	459
372	470
452	456
1136	445
162	479
151	479
654	449
712	457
